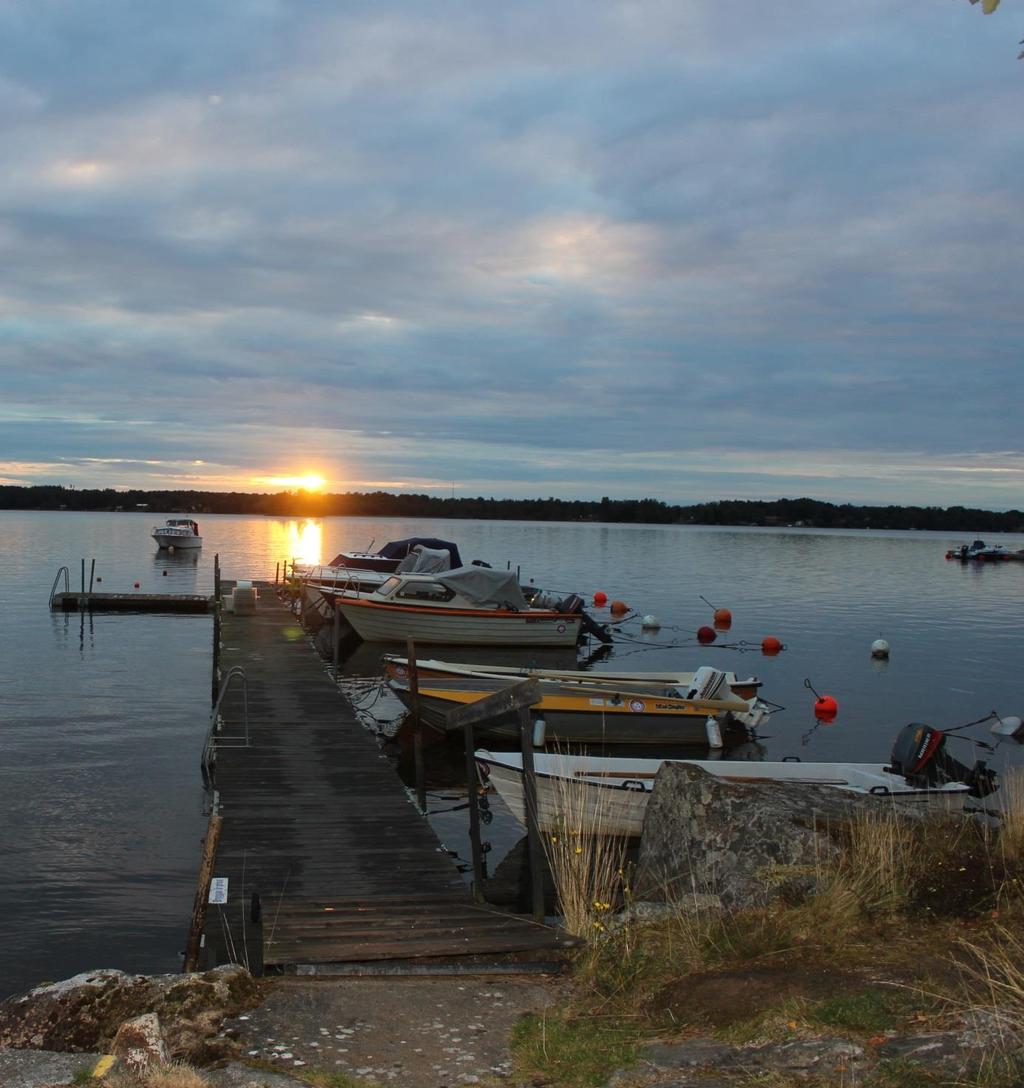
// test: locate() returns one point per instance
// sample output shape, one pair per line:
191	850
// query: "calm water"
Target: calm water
104	717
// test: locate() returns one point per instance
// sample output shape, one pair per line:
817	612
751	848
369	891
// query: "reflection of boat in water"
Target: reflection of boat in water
178	533
610	794
980	552
468	605
586	708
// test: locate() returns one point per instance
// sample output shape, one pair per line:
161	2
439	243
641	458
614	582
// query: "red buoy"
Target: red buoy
770	645
706	634
825	708
136	585
723	617
600	597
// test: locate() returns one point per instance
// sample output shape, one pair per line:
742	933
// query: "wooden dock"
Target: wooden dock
330	866
132	602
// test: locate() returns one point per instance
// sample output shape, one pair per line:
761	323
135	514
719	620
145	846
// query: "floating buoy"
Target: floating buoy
1010	726
825	708
98	578
618	607
770	645
600	598
706	634
165	574
650	623
723	616
136	585
826	717
879	648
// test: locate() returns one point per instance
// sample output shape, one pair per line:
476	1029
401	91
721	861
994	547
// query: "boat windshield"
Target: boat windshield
388	587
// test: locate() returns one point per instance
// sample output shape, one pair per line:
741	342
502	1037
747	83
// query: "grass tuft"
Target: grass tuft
576	1052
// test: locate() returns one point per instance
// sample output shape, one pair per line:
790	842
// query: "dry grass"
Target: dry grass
586	862
173	1075
1011	830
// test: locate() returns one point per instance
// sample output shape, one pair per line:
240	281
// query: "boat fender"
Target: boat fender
540	733
714	733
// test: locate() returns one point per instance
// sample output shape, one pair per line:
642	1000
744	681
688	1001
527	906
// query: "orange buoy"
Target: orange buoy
706	634
619	607
825	717
825	708
600	597
770	645
723	616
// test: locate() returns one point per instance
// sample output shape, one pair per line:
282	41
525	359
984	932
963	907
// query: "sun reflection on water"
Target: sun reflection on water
304	541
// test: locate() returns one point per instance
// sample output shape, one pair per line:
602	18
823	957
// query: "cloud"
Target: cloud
639	248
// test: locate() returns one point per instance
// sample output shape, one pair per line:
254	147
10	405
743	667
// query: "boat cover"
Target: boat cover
423	560
399	549
485	586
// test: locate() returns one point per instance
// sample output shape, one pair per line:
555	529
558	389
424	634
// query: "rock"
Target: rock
84	1013
34	1068
705	836
795	1056
139	1044
691	1054
237	1075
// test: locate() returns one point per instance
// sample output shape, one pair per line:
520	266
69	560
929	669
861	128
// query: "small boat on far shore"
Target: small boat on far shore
980	552
177	533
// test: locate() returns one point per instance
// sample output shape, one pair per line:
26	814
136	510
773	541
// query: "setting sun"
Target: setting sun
309	482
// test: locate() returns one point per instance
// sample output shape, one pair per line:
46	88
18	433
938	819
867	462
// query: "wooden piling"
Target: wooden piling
417	725
533	842
195	929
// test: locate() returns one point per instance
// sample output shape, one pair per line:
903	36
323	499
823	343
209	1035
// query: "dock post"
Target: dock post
336	640
92	574
277	570
216	577
475	846
530	804
83	577
215	683
195	931
417	726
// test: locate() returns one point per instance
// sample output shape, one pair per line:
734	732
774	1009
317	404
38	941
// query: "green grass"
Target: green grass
870	1012
576	1053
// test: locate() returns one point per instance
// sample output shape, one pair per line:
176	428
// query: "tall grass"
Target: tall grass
173	1075
585	859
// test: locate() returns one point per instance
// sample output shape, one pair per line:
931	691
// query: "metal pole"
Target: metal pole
417	725
83	576
92	574
475	847
530	804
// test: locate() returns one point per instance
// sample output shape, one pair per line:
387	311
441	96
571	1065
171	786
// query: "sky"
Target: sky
665	248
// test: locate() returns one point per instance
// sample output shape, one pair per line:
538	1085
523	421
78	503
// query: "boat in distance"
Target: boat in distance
177	533
609	795
618	712
470	605
980	552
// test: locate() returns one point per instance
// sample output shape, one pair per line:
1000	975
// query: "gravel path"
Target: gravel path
420	1033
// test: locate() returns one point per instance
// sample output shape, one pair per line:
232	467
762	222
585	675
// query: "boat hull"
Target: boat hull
576	718
376	622
177	541
616	805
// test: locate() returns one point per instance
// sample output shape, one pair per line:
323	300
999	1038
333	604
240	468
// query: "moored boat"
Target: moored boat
177	533
616	712
467	606
980	552
610	794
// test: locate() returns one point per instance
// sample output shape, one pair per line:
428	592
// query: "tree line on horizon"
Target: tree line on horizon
770	512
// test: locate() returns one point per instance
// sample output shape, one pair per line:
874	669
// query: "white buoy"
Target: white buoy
1010	726
879	648
650	623
714	732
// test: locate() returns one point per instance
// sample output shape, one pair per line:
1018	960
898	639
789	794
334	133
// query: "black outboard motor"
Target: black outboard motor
919	754
572	605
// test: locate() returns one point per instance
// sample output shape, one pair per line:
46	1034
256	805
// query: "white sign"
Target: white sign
219	889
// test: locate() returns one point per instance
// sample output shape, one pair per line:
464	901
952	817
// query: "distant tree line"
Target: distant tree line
801	512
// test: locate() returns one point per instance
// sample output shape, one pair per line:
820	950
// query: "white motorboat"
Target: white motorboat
364	572
613	792
467	606
177	533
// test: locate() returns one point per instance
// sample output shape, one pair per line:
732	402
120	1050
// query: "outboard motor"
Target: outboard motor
573	605
919	754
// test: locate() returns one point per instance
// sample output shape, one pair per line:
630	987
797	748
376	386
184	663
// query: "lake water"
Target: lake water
104	716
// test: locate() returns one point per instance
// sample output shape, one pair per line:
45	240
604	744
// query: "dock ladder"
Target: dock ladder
215	738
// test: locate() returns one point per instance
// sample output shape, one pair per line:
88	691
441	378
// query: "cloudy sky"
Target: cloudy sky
669	248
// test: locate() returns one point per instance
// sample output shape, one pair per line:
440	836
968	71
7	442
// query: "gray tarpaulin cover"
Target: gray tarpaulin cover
423	560
484	586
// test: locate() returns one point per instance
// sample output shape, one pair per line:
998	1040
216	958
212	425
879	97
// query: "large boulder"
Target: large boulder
704	835
84	1013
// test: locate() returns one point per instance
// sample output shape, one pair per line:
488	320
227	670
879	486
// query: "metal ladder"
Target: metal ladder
215	739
